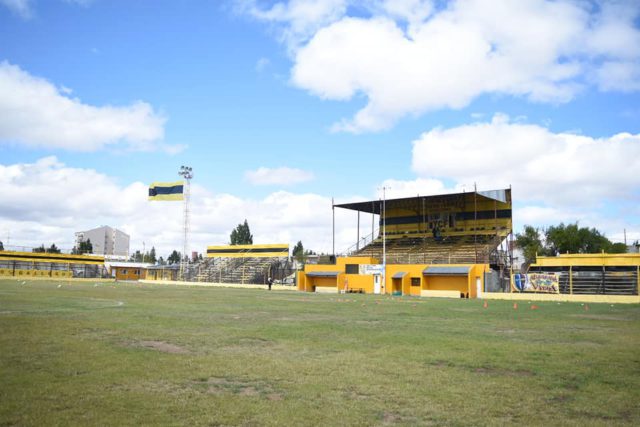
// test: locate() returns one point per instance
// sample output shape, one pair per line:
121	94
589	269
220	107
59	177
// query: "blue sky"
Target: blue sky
280	106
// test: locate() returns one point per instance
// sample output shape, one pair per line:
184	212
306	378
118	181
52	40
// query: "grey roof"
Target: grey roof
323	273
399	275
446	271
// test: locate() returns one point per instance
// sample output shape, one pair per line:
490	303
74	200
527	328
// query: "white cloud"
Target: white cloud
302	18
395	189
560	168
555	177
20	7
406	57
35	113
47	201
278	176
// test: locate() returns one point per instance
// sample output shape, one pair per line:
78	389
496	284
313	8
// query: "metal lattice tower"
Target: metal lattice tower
187	173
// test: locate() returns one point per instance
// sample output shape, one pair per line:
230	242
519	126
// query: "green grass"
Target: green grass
127	354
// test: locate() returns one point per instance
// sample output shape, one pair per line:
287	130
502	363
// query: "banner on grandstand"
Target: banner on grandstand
537	282
166	191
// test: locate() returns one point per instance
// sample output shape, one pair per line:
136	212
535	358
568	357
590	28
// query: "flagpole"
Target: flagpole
187	173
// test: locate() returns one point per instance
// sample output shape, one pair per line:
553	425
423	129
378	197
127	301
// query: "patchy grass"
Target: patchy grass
125	354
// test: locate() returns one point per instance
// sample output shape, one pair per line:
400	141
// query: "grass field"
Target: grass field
128	354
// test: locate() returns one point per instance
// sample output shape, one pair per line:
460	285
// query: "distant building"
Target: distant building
105	240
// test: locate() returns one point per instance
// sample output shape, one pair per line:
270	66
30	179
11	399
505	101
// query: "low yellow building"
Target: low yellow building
365	275
162	272
128	270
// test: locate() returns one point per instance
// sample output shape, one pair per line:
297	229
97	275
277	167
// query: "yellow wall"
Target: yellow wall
341	262
447	283
128	273
357	281
568	260
461	284
34	273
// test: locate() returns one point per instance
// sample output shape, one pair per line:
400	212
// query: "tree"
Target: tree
563	238
1	246
53	249
531	243
151	257
84	247
161	261
39	249
573	239
241	235
136	257
174	258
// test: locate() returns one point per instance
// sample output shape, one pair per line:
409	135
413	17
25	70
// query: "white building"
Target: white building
105	240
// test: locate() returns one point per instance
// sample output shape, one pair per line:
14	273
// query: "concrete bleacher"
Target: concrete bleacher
428	250
236	270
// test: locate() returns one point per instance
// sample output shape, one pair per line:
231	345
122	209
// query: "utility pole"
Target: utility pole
187	173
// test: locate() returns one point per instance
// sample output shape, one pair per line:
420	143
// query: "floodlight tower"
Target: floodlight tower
187	173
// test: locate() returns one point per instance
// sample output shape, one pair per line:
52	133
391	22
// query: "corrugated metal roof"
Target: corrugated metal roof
446	271
399	275
323	273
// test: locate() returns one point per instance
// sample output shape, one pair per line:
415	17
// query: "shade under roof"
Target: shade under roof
323	273
399	275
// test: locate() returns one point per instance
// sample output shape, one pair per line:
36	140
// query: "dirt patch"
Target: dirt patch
505	372
601	317
163	347
245	388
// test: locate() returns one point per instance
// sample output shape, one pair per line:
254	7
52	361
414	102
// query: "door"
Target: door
376	283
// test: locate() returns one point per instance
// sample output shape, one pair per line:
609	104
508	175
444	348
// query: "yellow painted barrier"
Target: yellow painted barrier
439	294
610	299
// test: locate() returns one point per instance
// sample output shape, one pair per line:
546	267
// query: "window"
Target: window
124	271
415	281
352	269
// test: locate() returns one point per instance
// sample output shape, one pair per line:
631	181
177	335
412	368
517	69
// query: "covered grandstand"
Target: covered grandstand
468	227
446	245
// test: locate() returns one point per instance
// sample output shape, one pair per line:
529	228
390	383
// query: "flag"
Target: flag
166	190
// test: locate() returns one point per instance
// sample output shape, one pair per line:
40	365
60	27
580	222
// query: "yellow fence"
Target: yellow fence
34	273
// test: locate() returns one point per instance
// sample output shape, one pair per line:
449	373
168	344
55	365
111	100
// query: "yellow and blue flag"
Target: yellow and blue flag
166	190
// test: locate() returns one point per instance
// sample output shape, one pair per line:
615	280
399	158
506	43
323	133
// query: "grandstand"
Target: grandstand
244	264
36	264
442	229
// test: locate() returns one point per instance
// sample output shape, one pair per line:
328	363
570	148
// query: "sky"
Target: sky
282	107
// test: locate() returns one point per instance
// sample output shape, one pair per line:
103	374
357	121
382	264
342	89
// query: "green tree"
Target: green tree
161	261
53	249
530	242
241	235
39	249
174	258
84	247
1	246
298	251
151	257
617	248
573	239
